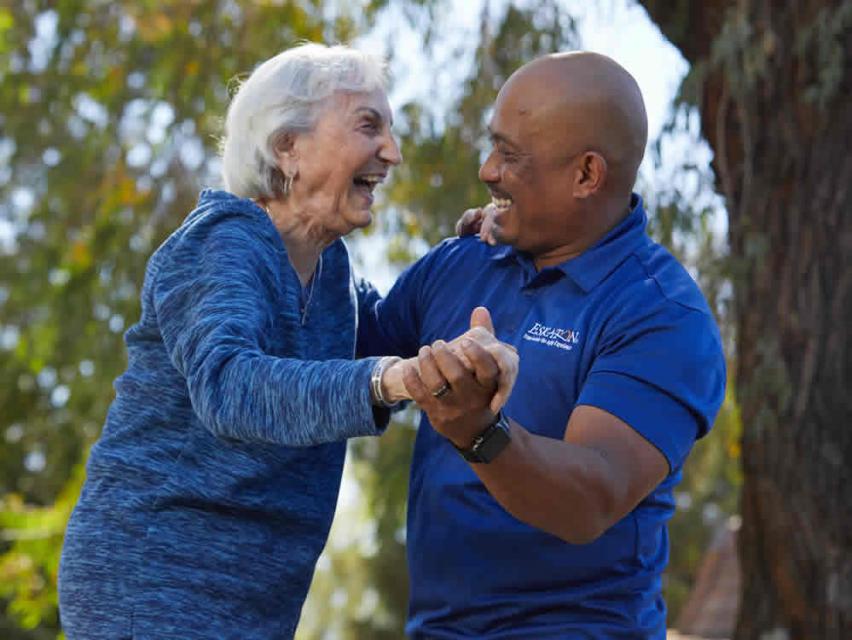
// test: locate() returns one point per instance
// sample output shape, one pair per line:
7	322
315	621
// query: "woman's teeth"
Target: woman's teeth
369	180
501	203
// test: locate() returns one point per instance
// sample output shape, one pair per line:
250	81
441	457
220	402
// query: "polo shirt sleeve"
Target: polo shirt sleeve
392	325
663	373
213	296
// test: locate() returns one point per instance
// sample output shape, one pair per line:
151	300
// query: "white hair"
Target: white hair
284	95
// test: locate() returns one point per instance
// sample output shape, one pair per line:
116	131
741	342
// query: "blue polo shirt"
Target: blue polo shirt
622	327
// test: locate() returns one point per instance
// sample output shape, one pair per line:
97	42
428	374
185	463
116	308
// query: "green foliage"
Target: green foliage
28	570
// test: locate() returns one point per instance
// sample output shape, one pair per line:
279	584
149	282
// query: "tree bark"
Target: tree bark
773	83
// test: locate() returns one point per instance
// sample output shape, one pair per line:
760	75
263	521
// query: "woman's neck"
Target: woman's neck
304	240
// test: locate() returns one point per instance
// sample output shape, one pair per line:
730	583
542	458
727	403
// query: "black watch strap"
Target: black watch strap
488	444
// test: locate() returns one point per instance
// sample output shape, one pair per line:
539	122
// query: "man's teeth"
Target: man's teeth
501	203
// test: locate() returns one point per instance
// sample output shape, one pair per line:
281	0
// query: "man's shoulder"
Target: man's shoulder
672	282
465	249
447	268
652	293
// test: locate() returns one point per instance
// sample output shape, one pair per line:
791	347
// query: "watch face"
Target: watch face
492	442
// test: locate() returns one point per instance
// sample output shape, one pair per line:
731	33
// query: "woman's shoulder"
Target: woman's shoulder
222	227
221	217
224	213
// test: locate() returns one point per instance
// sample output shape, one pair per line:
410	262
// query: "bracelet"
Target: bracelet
376	380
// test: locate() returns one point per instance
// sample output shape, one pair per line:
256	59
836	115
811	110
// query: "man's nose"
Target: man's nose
488	171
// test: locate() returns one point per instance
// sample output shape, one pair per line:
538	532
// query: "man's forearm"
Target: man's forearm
574	488
562	488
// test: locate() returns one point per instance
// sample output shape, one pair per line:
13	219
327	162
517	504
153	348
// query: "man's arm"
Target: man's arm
575	488
578	487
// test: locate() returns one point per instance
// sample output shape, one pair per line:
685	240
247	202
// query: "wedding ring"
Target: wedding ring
445	388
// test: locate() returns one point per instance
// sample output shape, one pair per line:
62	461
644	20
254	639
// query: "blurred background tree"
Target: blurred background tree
109	116
772	81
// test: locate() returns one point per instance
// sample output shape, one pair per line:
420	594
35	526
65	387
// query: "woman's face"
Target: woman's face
340	162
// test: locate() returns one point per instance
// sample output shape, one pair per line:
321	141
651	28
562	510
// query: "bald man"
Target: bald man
548	520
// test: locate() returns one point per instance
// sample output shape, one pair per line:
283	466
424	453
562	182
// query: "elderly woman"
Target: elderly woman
211	491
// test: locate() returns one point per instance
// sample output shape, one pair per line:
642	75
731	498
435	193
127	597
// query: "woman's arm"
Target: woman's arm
214	297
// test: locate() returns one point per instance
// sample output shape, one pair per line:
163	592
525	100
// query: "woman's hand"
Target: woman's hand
479	220
393	388
481	332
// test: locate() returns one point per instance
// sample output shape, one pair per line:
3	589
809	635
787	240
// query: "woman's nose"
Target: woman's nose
389	151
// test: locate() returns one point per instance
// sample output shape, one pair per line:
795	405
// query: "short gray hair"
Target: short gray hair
285	95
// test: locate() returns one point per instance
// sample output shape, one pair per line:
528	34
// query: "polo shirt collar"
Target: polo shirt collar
592	266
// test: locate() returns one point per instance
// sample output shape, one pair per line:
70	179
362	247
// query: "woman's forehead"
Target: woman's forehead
373	103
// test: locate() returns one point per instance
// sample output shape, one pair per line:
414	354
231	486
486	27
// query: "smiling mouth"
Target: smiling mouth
501	203
368	181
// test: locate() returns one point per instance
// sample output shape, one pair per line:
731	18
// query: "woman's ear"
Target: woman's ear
286	154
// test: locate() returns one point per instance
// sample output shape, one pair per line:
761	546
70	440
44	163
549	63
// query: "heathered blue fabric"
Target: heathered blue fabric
211	491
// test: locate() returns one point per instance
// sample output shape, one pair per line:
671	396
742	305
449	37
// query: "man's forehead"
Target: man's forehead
512	101
515	117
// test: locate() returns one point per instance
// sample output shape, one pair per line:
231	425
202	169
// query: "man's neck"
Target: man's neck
601	223
560	254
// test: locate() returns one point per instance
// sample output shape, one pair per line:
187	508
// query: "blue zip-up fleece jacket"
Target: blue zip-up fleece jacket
210	493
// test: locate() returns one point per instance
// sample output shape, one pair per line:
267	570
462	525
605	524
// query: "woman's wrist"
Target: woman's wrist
386	387
393	387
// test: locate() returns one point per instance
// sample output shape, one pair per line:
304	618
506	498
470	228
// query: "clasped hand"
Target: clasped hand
462	384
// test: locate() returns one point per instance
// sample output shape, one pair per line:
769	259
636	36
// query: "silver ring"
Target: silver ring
444	390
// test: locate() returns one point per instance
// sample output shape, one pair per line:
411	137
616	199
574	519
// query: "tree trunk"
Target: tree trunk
773	83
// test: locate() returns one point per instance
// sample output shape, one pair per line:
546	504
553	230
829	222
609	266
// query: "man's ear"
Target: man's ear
590	174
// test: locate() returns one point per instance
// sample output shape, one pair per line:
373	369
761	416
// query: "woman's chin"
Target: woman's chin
366	220
359	218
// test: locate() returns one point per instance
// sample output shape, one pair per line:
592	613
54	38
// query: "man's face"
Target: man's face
528	170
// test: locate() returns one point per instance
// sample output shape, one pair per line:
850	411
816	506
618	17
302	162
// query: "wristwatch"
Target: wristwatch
488	444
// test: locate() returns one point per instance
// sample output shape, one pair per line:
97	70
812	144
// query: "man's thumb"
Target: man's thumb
481	318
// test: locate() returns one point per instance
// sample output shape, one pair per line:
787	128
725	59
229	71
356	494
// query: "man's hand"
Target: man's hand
461	412
478	220
481	332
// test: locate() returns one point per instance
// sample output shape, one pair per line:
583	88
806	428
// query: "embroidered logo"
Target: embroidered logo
560	338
